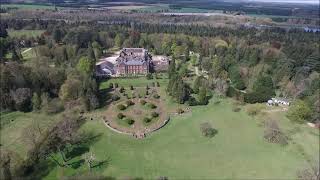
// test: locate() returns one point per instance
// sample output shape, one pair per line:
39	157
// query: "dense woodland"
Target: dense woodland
247	64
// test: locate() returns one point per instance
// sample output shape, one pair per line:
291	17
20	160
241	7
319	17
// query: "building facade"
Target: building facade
133	61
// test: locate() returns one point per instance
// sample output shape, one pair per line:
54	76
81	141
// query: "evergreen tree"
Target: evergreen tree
36	102
172	68
203	100
91	55
16	56
236	79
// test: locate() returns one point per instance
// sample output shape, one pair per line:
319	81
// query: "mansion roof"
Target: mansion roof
133	56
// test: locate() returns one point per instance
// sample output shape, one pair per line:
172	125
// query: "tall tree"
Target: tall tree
202	98
172	68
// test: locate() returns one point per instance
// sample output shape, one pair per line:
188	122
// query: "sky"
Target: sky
290	1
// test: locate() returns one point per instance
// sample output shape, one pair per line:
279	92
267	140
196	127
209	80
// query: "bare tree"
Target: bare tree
89	157
32	133
310	173
273	133
5	162
59	138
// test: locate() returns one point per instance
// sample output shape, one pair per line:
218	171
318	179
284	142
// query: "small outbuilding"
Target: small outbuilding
278	101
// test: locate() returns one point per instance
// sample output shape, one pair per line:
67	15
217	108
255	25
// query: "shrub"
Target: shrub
299	111
120	116
236	109
156	96
146	119
36	102
154	114
152	106
116	85
273	134
54	106
115	97
121	107
22	99
129	103
158	84
111	85
153	84
192	101
254	109
131	87
142	102
207	130
180	111
121	89
130	121
309	172
149	76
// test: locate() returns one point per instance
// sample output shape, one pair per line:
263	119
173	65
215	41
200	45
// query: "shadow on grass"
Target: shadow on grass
76	164
77	151
105	97
86	139
102	164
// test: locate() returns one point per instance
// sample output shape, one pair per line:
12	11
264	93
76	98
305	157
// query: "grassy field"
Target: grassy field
165	8
27	54
26	33
28	6
136	82
13	127
178	151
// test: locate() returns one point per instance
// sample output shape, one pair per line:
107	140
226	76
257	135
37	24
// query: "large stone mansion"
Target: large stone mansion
132	61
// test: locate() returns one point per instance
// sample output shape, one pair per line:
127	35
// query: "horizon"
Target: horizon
287	1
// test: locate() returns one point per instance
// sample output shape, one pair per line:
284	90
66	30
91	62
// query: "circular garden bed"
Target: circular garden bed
138	114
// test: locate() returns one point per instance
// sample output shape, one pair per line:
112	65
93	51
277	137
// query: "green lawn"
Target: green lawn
136	82
26	33
178	151
13	127
28	53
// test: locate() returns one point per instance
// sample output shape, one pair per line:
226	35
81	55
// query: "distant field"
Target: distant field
26	33
127	7
28	6
165	8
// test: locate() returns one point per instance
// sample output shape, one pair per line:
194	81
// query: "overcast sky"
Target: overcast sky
291	1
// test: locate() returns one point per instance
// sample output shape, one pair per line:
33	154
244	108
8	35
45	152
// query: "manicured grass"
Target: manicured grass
26	33
13	127
135	82
179	151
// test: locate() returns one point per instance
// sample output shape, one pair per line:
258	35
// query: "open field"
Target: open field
29	6
179	151
28	53
14	125
26	33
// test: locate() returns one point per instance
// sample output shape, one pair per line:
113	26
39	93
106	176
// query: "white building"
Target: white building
278	101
